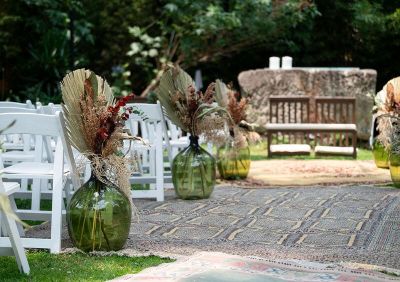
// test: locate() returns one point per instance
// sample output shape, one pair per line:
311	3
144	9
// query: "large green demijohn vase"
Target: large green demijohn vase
99	216
193	172
233	163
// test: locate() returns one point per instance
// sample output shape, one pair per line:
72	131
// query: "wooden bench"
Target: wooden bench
331	128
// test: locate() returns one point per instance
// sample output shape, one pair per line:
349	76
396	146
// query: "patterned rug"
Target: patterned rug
313	172
218	267
328	224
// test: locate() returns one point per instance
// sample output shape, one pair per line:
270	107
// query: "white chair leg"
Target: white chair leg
1	225
68	192
152	167
57	204
19	252
14	208
24	184
35	194
56	223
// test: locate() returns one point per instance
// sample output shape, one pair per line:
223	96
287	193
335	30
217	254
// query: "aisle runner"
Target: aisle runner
216	267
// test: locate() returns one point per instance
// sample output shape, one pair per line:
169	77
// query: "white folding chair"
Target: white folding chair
149	123
174	141
9	229
56	172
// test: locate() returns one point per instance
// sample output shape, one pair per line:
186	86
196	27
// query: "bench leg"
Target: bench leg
269	140
355	145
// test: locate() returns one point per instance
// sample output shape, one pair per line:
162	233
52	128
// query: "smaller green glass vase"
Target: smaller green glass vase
233	163
99	217
395	169
381	155
193	172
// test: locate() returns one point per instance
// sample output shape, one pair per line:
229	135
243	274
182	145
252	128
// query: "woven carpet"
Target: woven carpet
358	223
218	267
312	172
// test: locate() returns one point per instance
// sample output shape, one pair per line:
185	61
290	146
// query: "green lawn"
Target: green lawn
259	152
75	267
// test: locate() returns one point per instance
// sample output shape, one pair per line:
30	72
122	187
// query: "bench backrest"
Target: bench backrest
335	110
289	109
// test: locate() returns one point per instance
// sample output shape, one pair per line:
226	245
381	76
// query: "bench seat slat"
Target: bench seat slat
311	126
333	150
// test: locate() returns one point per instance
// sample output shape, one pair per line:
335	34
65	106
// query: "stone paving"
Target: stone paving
359	223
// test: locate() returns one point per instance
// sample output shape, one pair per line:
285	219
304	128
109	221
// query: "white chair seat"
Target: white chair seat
291	148
12	146
31	169
11	187
333	150
18	156
180	142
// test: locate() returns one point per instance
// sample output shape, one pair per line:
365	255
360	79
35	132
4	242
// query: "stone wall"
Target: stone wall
261	83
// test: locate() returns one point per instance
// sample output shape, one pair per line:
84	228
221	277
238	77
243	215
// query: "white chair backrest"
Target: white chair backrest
55	107
50	109
15	138
17	110
30	123
7	104
148	120
42	125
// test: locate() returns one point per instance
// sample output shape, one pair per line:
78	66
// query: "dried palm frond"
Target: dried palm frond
173	93
73	89
221	96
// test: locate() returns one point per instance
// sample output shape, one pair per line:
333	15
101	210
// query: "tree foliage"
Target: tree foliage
129	42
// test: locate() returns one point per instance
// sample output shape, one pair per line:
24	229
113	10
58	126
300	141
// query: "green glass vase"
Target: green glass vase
193	172
233	163
381	155
394	166
99	217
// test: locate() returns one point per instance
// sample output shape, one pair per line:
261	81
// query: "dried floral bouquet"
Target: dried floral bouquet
193	169
234	157
387	110
99	213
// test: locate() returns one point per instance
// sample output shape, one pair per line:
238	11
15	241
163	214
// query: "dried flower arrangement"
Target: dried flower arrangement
95	123
387	108
193	111
240	130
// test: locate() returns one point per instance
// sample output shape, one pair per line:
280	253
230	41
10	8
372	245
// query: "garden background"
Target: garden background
128	41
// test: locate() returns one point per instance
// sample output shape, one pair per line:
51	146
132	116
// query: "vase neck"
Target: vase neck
194	141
